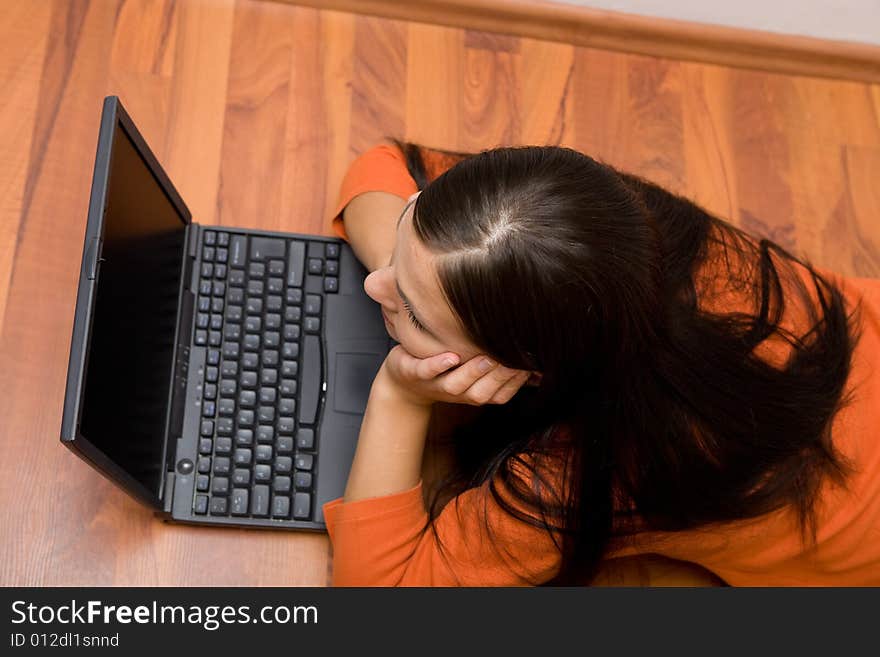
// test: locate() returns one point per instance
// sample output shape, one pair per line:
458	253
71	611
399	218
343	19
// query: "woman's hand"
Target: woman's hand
423	381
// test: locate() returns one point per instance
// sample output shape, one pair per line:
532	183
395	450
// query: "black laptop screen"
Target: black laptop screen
131	350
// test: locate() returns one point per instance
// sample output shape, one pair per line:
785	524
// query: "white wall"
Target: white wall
840	20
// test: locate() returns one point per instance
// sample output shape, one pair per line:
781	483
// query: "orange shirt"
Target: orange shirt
381	542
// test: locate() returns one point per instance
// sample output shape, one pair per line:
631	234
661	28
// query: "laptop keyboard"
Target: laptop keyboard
261	328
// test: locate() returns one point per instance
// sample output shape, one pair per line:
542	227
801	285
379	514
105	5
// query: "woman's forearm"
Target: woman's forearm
388	458
370	223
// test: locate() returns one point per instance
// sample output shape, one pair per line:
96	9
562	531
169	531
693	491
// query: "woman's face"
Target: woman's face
409	287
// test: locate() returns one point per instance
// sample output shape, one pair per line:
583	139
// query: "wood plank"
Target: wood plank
42	548
24	31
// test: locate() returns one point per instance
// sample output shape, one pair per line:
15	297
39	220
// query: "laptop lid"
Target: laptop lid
119	383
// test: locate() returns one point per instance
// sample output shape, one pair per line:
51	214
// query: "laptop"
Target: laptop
218	375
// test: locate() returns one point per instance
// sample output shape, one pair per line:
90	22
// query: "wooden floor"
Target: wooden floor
255	110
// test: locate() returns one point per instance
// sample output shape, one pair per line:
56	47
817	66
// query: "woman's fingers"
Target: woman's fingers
485	388
462	378
506	392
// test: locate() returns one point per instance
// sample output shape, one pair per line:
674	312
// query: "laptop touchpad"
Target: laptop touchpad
354	377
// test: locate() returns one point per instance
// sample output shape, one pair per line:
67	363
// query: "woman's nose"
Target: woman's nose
379	287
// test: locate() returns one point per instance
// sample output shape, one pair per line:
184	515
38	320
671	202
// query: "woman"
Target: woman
650	379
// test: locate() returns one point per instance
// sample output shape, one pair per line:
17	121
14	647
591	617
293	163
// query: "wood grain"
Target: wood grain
255	110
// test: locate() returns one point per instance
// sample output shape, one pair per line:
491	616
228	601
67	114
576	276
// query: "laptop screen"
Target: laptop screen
131	351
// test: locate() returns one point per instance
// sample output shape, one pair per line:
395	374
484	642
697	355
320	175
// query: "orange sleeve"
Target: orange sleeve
382	541
380	169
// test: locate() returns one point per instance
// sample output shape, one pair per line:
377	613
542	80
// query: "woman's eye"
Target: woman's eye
412	318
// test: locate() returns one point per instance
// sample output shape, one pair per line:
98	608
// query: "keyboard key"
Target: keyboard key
294	296
273	321
255	288
331	284
289	350
280	506
276	268
222	255
201	505
226	407
285	425
284	444
304	461
235	296
218	506
204	304
201	337
244	437
331	251
210	237
271	339
248	379
236	278
202	320
291	332
305	439
247	399
223	446
252	342
238	251
220	486
288	388
270	357
283	464
233	313
220	272
265	434
267	395
263	248
242	456
250	361
269	377
211	374
273	303
208	409
302	480
213	356
229	368
205	287
204	466
253	324
310	390
274	285
296	259
289	368
281	484
208	253
331	268
217	305
241	477
313	304
257	270
221	465
232	332
312	325
224	426
219	288
263	453
216	321
254	306
214	338
230	350
203	483
207	428
206	446
222	239
260	502
266	414
287	407
316	266
228	388
239	506
302	506
210	391
292	314
207	270
246	419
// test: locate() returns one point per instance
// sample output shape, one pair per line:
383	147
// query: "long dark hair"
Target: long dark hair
656	412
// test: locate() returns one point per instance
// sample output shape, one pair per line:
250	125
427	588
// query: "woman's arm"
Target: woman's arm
370	222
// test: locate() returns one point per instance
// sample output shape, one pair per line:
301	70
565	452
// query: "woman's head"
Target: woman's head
539	257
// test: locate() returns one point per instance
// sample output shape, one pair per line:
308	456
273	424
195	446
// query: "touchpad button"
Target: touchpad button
354	377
